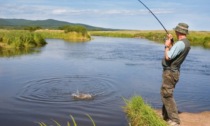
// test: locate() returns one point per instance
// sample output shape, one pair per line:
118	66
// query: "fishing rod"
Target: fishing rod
154	16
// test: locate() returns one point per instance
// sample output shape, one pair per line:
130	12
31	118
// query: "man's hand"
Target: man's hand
170	36
168	45
168	42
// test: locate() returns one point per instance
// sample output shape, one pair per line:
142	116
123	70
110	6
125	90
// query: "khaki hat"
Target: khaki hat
182	28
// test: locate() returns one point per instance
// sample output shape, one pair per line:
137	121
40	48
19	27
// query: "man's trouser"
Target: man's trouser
169	109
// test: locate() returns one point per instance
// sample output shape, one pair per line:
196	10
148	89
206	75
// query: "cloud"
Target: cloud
59	11
108	12
33	10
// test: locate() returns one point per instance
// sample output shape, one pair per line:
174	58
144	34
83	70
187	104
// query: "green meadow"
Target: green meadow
197	38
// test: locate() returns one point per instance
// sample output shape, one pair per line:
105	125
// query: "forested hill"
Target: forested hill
47	24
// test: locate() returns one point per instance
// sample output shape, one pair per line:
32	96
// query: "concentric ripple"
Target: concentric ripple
60	89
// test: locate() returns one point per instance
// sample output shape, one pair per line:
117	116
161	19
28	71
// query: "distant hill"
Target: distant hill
47	24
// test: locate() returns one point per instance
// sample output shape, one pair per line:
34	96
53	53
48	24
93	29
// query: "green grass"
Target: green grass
20	39
141	114
69	36
68	123
138	112
197	38
19	42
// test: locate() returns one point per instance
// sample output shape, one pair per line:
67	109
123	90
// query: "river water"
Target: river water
37	87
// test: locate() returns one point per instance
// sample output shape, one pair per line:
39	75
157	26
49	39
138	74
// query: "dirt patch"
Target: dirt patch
193	119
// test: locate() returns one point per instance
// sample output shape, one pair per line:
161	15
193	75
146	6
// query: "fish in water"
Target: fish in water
82	96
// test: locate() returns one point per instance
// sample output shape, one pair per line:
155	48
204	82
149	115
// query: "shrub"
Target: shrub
32	28
74	28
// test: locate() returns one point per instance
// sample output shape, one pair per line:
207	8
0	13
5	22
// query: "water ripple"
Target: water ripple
60	89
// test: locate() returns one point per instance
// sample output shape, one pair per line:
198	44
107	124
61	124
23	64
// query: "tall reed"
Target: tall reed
61	34
68	123
20	39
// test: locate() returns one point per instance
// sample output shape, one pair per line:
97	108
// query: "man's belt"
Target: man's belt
169	68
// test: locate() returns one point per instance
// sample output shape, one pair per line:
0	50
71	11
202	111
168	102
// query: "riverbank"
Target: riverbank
68	36
19	42
142	114
193	119
21	39
197	38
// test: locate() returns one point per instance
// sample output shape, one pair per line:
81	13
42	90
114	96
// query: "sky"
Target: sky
118	14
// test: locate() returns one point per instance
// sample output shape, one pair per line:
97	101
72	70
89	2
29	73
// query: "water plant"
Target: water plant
141	114
68	123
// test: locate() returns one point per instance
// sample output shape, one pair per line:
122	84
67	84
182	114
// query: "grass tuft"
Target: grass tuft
75	124
141	114
42	124
56	123
91	119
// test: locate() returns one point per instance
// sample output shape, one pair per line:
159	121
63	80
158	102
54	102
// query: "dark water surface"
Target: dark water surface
38	87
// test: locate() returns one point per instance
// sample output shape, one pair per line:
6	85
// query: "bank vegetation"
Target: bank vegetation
141	114
197	38
32	36
19	39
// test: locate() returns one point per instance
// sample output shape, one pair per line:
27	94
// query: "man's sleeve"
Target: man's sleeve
176	49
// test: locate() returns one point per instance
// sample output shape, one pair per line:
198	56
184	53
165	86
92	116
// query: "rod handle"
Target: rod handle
172	41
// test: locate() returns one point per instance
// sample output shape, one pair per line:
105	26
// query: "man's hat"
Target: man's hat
182	28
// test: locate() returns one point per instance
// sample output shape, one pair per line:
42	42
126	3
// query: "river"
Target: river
37	87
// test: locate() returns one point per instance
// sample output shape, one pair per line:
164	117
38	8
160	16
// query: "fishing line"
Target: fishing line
154	16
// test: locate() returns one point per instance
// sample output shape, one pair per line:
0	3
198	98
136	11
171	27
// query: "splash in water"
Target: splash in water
82	96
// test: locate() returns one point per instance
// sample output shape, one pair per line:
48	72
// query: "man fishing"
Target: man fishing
173	58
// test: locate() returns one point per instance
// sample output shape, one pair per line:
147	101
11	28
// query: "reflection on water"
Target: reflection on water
17	52
38	88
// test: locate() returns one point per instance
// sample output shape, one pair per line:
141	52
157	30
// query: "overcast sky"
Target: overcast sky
121	14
